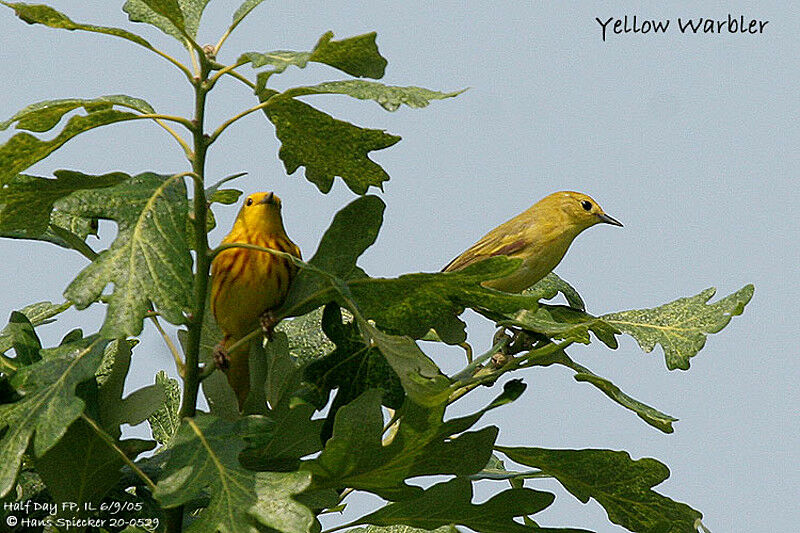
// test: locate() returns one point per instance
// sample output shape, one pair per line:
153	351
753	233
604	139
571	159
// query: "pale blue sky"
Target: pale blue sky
689	140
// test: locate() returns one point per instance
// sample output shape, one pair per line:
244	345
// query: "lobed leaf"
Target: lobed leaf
204	459
388	97
618	483
46	15
353	367
681	326
149	259
450	502
325	146
48	405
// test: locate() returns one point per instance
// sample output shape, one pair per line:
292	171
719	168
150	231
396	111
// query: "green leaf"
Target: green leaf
357	56
244	10
225	196
353	367
402	529
562	322
149	259
44	116
421	378
550	286
357	457
389	97
681	326
48	405
307	342
651	415
618	483
17	330
327	147
165	421
451	503
204	459
177	18
41	14
276	442
137	406
93	467
20	335
23	149
26	204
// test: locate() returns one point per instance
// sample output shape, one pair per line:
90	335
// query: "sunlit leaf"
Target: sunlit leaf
681	327
149	259
617	482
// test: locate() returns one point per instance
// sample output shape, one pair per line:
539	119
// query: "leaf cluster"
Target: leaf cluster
343	397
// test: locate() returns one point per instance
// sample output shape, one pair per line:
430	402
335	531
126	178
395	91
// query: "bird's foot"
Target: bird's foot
221	359
268	322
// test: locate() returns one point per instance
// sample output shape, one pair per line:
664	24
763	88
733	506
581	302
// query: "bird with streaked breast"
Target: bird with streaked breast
540	236
247	284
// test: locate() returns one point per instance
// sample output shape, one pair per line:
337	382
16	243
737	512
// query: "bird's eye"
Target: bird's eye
249	201
587	205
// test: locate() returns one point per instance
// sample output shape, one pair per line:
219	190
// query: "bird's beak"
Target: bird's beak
270	198
609	220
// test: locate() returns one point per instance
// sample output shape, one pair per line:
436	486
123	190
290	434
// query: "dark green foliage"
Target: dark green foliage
283	462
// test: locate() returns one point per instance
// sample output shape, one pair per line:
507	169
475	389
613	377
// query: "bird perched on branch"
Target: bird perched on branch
539	236
247	284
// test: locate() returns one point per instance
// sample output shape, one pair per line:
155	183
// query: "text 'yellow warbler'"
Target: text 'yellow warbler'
247	284
539	236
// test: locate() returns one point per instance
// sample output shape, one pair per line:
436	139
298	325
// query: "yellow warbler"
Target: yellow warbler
539	236
246	285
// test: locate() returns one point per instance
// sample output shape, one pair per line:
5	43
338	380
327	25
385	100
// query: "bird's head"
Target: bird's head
577	210
261	210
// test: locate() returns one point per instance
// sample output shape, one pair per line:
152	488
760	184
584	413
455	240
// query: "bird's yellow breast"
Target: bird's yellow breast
249	282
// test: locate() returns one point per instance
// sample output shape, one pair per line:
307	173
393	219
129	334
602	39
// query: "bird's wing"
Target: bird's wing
496	242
